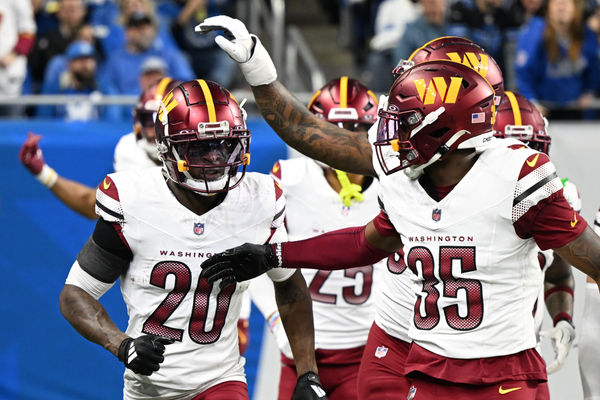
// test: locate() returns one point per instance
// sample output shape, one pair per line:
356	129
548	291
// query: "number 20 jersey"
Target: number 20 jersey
476	279
162	287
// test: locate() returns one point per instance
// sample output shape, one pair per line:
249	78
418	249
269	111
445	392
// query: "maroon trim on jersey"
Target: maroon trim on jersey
24	43
119	230
524	365
541	259
278	190
384	226
108	187
332	357
532	163
341	249
276	170
517	146
562	316
552	222
555	289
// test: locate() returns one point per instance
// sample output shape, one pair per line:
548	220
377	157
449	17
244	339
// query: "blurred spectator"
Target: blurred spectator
482	21
17	32
152	70
44	13
70	15
123	65
207	59
432	24
557	61
79	78
110	22
391	20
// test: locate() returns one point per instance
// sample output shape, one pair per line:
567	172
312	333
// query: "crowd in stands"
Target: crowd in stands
547	49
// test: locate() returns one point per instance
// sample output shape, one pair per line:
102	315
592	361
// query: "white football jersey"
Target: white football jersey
476	280
129	155
545	257
162	288
343	299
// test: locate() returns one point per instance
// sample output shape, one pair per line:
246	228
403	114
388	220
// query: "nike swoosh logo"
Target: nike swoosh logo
105	184
504	391
534	161
575	220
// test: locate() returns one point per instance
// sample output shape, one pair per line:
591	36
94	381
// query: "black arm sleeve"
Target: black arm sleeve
105	256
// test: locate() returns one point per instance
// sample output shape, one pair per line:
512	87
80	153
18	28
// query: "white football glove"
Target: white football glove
243	47
562	337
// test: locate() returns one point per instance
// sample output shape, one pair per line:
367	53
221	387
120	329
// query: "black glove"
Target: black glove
309	387
239	264
144	354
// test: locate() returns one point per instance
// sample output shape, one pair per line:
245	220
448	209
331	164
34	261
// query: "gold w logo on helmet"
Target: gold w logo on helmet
429	92
165	107
479	64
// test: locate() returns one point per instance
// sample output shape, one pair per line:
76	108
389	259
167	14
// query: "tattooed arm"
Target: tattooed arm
316	138
90	318
295	308
584	254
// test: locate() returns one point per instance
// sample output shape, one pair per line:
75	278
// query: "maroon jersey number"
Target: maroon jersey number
353	294
155	324
426	313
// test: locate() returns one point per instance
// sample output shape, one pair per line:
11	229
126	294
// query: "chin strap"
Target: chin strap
350	191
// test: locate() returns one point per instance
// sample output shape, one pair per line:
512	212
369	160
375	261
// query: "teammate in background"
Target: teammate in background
134	150
465	204
461	50
320	199
589	352
519	119
156	225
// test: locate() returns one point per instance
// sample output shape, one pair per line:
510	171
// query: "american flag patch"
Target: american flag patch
478	118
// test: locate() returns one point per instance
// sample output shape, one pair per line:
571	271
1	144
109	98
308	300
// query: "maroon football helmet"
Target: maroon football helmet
144	114
202	137
518	118
460	50
433	108
345	101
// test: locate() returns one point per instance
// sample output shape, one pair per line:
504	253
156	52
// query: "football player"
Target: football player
469	211
134	150
518	118
320	199
156	226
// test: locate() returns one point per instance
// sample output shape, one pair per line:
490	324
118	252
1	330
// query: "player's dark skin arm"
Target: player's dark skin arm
584	254
559	274
295	309
77	196
89	318
316	138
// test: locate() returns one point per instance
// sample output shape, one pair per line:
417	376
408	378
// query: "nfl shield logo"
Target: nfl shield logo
411	393
436	214
198	228
381	351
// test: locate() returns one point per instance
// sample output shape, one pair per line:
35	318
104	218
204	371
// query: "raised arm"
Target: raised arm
77	196
314	137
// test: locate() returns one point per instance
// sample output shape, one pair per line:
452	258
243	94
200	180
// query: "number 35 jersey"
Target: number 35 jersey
343	299
162	287
474	252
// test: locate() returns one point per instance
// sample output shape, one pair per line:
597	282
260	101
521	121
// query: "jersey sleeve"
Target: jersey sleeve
279	233
108	204
540	209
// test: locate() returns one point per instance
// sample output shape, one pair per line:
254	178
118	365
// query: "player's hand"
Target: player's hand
562	337
143	354
309	387
243	335
242	47
31	154
239	264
